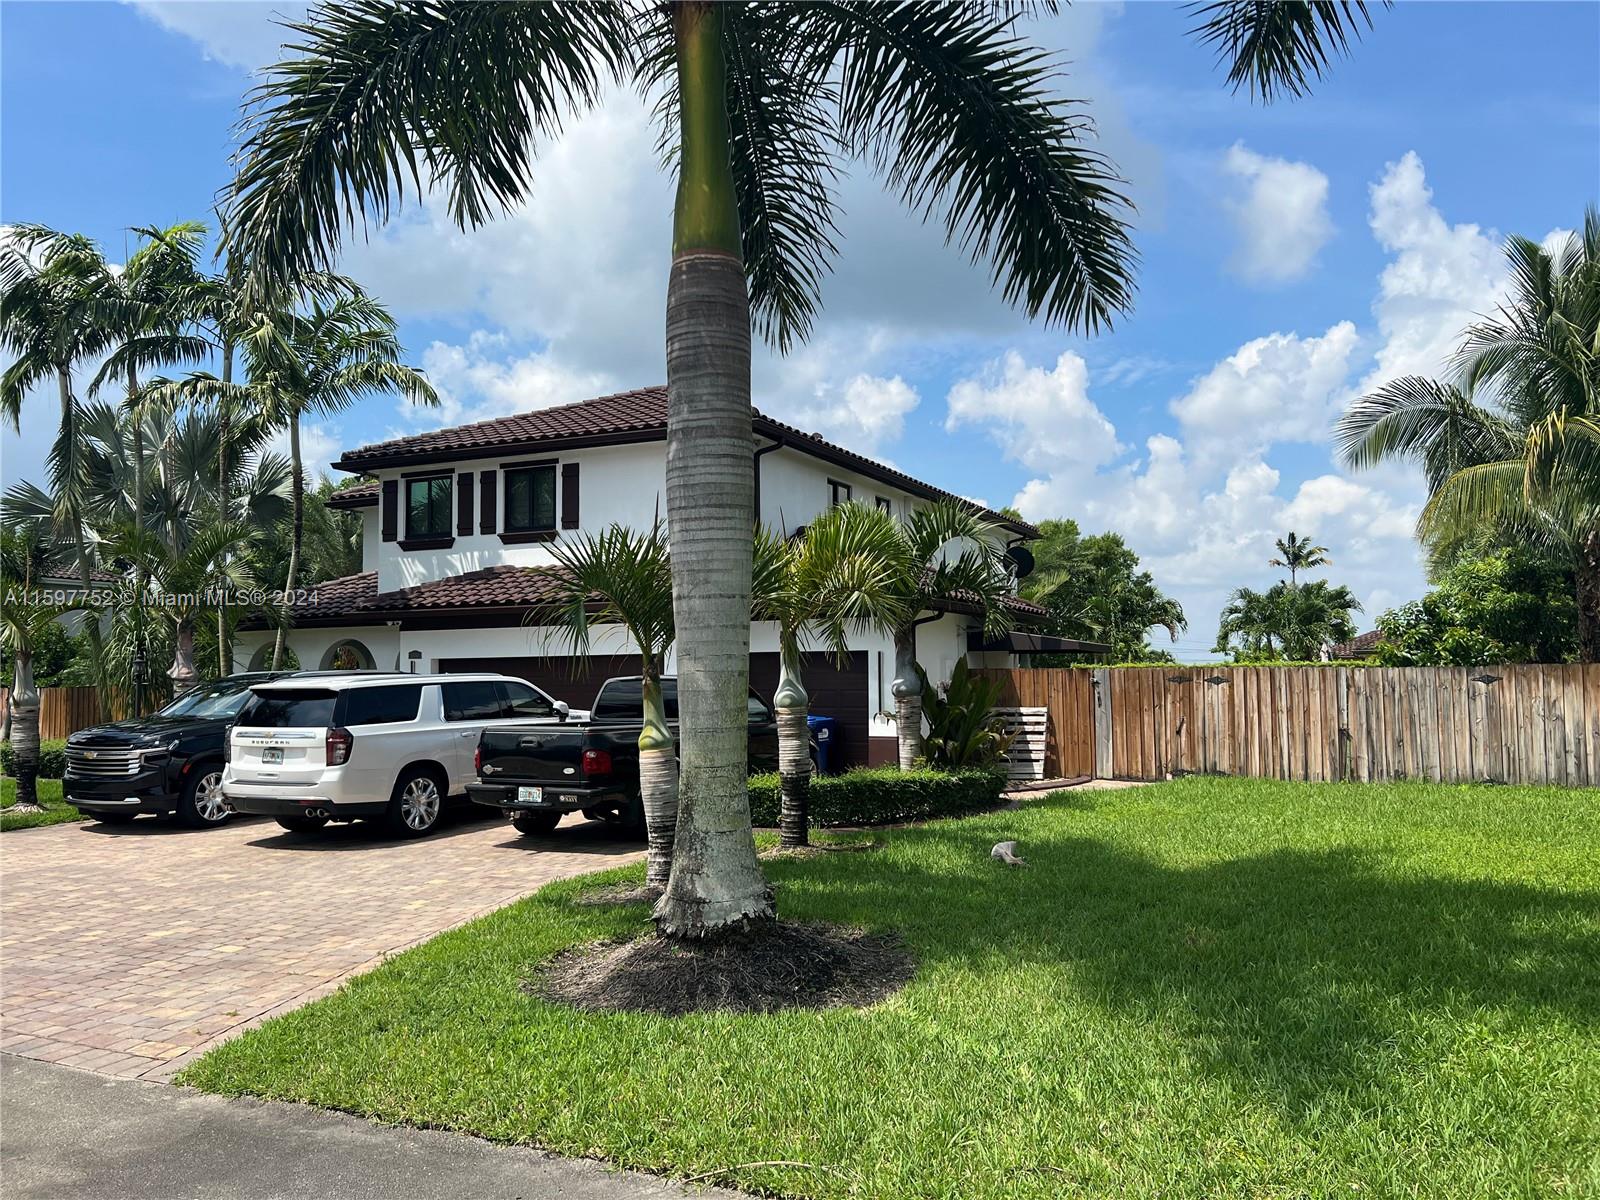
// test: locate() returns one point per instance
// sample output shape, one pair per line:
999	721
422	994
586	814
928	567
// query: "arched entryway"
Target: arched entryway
348	655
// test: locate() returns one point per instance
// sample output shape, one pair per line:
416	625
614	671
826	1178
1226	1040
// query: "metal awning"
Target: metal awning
1021	642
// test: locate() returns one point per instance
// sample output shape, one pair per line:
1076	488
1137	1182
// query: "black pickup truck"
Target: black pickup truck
536	774
168	762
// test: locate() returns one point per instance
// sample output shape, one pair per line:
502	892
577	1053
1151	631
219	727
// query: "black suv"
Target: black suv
168	762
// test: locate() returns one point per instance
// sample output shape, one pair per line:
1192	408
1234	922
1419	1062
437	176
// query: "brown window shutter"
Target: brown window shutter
569	495
391	509
486	501
464	503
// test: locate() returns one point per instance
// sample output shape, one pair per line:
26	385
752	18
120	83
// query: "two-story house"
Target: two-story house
456	542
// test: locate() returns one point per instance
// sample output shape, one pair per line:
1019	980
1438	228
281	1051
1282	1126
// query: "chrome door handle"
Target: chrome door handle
468	733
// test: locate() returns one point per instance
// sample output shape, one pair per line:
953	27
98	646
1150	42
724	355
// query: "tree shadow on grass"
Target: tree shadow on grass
1289	968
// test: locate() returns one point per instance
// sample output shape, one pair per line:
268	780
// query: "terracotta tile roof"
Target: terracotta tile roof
356	495
636	416
1361	646
355	599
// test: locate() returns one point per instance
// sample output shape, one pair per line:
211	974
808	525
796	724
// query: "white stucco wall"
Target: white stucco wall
312	645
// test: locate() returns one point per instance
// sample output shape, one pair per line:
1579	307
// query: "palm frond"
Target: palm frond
1273	46
369	107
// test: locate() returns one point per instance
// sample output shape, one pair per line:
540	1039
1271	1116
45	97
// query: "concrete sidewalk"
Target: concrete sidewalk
67	1133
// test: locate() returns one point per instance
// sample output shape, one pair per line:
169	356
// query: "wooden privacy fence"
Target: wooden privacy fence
1509	724
1069	739
65	710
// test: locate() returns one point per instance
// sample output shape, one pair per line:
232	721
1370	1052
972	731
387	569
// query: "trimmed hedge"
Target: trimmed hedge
52	759
883	795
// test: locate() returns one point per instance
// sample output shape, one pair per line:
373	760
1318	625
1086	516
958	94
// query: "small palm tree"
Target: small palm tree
1298	554
24	560
1296	622
838	576
623	577
945	552
1510	446
761	106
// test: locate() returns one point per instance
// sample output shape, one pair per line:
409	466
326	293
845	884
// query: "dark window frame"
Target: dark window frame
884	504
835	486
425	538
530	531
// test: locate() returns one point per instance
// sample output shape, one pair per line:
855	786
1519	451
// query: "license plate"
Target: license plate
530	795
272	754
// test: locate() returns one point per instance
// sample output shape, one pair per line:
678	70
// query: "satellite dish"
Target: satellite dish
1021	559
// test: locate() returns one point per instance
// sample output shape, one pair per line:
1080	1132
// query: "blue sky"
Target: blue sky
1291	256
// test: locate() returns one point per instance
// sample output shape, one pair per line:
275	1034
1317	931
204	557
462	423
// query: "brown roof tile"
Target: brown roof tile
357	495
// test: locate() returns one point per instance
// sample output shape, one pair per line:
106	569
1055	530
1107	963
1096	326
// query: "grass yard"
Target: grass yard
56	810
1199	989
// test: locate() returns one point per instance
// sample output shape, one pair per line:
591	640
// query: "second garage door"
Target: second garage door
835	691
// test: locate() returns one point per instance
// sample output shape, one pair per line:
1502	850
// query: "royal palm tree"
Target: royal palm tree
1510	446
838	576
761	105
621	577
322	360
1298	554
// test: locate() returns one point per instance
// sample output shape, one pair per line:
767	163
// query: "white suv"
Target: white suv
313	749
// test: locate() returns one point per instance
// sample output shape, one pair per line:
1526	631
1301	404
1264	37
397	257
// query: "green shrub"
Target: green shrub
52	759
883	795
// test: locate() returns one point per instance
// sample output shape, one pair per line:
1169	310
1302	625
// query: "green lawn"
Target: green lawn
55	811
1204	988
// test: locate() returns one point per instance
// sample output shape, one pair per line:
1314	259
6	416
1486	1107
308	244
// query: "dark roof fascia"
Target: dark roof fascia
364	500
578	441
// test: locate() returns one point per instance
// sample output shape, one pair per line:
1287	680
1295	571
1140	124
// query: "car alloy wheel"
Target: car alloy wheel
209	803
419	804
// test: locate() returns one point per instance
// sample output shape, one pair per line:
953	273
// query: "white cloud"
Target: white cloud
1042	419
1278	388
479	380
240	33
1280	215
868	414
1439	279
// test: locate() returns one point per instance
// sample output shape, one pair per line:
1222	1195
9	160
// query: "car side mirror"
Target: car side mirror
562	708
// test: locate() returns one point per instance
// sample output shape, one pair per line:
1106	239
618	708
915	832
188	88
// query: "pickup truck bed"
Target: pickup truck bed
535	774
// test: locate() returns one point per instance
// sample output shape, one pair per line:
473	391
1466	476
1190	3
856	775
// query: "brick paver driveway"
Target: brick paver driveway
129	950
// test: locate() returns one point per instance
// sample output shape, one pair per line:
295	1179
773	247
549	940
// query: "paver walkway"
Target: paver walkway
129	950
66	1133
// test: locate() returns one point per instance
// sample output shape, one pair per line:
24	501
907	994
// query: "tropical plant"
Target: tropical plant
1509	605
1285	621
321	360
836	576
623	577
1510	446
948	552
760	104
25	619
1095	591
963	728
1298	554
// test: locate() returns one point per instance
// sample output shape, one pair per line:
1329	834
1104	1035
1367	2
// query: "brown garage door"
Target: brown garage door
575	680
835	691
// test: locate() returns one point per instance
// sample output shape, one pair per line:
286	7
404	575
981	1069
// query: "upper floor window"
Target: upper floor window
530	498
838	493
884	504
429	507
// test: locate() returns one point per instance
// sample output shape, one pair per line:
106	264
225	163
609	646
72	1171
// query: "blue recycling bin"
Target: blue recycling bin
824	732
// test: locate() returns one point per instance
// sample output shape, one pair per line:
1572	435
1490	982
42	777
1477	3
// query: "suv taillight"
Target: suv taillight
477	760
596	762
339	744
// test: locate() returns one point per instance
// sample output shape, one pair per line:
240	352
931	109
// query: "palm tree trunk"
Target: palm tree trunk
224	501
297	493
658	780
907	692
182	672
91	626
1588	596
141	578
716	884
794	753
25	732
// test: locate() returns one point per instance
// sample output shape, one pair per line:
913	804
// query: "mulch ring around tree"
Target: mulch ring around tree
787	964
